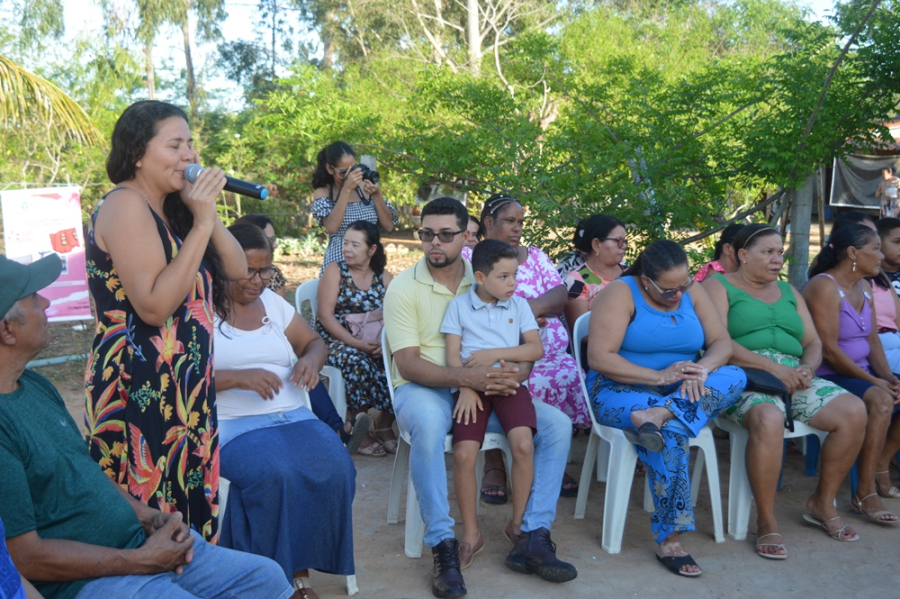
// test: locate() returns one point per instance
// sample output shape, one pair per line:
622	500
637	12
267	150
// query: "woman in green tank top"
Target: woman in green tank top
771	329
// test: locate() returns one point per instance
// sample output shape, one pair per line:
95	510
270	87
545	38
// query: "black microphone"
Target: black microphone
245	188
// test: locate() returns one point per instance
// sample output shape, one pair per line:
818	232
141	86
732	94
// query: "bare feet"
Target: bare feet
825	511
672	547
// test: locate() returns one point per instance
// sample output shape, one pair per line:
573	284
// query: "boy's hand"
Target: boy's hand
482	357
467	406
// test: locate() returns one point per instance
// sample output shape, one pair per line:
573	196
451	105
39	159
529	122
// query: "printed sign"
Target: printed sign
38	222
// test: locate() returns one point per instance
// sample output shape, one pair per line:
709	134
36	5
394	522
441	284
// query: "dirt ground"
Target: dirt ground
817	566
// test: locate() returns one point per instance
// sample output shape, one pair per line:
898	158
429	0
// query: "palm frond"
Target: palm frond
23	94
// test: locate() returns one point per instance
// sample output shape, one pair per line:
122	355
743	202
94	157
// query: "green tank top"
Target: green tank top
756	325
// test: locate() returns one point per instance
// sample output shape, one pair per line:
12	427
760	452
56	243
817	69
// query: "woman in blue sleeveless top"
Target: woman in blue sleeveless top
646	331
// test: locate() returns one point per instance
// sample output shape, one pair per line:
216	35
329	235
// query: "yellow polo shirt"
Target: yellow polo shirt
414	308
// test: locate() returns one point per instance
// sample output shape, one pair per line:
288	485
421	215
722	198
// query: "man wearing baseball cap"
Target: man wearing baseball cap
70	530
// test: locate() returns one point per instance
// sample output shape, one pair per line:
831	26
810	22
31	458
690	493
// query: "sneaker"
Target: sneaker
534	552
448	580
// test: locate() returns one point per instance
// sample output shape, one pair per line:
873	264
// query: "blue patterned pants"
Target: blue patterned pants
670	484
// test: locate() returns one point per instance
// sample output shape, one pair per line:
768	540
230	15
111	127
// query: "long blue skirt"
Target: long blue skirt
291	497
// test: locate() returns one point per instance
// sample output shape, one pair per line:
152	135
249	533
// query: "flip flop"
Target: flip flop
572	490
358	428
834	534
375	450
775	556
674	564
647	436
876	516
494	494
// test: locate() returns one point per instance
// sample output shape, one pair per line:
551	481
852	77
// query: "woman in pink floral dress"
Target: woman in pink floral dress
554	379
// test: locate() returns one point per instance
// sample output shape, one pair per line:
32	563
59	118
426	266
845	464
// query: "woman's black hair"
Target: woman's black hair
251	237
591	228
479	234
260	220
835	251
373	237
727	236
137	125
496	204
843	219
329	156
660	256
750	235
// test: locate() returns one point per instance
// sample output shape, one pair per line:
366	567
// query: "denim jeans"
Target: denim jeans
214	573
425	412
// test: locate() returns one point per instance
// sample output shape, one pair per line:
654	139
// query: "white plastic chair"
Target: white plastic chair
739	492
621	458
415	527
306	297
225	484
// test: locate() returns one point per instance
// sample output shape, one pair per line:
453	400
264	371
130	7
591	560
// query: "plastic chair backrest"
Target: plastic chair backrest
305	301
579	332
386	358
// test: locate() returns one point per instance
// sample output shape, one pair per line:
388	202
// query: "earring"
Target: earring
854	266
646	288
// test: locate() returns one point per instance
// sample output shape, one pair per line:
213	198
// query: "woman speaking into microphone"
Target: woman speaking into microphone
155	253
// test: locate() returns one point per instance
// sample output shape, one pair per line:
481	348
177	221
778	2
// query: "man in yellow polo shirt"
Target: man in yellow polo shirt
414	307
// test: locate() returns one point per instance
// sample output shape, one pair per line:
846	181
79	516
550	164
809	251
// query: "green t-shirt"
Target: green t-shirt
50	484
756	325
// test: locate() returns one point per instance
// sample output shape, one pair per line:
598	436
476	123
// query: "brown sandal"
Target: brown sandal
303	591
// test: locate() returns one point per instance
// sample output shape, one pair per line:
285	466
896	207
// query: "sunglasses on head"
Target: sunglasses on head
670	293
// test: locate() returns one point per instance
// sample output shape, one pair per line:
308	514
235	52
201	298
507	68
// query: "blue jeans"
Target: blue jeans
214	573
426	413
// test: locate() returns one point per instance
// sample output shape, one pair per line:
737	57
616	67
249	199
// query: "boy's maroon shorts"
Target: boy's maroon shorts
512	411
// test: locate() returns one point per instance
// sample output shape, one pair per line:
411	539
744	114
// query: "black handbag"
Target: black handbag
763	381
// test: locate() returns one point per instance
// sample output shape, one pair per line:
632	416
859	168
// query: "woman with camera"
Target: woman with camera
346	192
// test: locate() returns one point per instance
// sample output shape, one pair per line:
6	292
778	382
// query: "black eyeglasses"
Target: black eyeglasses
670	293
265	273
622	242
445	236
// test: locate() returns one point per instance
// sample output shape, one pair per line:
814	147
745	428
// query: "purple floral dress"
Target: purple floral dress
554	379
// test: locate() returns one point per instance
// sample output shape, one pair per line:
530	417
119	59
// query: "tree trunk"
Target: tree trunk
151	74
274	10
327	42
801	216
191	82
473	36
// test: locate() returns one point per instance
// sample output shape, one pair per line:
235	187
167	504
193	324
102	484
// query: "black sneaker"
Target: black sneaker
448	580
534	552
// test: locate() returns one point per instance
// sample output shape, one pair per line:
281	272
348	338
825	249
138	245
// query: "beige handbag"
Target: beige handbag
366	326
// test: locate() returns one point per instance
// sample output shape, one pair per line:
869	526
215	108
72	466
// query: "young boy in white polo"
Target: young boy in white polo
481	328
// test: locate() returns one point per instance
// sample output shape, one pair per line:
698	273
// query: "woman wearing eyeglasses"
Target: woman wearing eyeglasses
646	330
601	239
771	329
292	481
554	379
277	282
355	285
342	197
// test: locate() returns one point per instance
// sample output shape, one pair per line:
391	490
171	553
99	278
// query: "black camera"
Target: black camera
369	174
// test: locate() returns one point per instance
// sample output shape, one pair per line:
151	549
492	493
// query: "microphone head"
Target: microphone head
192	172
263	193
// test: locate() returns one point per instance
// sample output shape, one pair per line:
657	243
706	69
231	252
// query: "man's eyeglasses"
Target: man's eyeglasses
445	236
265	273
622	242
670	293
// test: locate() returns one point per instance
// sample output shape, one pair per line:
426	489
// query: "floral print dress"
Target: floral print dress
554	379
364	377
150	394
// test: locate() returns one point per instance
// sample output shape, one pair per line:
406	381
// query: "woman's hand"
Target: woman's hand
792	378
353	180
372	348
541	321
806	376
681	371
891	387
305	374
467	406
201	195
370	189
266	383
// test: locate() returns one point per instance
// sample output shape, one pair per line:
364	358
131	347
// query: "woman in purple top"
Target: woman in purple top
840	302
